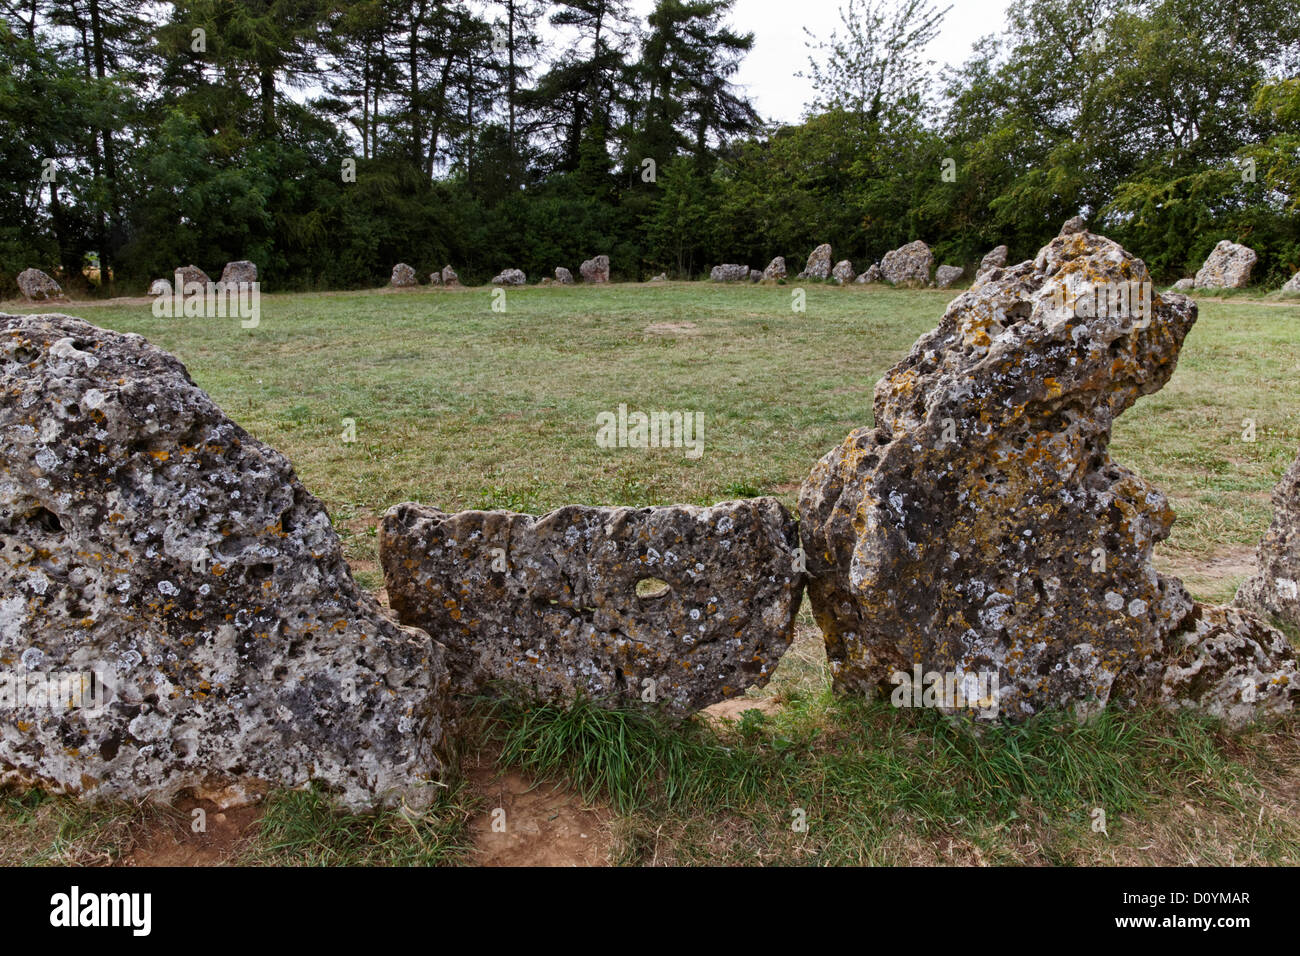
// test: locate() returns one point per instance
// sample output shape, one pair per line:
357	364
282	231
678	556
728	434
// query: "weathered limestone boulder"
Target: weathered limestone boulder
819	263
1274	589
563	276
449	276
403	277
191	275
147	539
995	258
240	271
1227	267
729	272
908	265
981	528
944	276
1292	284
595	270
601	601
661	277
843	272
755	275
1230	665
1072	225
775	270
435	278
509	277
871	275
1184	285
160	287
36	286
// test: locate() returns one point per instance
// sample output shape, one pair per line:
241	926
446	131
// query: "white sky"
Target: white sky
780	50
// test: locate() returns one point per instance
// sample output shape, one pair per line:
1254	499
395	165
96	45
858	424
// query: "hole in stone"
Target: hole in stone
23	355
46	519
651	588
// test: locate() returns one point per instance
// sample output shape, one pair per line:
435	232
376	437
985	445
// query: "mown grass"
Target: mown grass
458	406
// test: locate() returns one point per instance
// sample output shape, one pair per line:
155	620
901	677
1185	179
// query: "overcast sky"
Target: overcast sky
780	51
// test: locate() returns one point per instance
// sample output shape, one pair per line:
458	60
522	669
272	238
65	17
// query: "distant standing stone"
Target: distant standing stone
241	271
775	270
908	265
945	276
1072	225
403	277
595	270
729	272
509	277
843	272
160	287
819	263
189	276
36	286
995	258
563	276
449	276
1227	267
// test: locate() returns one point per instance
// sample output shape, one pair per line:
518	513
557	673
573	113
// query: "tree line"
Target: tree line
328	139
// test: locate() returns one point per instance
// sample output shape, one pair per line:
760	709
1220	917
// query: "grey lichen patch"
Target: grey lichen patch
677	606
147	538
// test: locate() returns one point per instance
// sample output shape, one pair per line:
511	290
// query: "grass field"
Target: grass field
459	406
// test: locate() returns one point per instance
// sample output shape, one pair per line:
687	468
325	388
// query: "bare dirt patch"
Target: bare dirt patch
672	328
545	824
171	840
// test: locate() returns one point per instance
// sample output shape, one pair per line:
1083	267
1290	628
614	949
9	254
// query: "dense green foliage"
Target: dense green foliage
209	130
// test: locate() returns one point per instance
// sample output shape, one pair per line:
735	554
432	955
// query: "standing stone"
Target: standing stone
1227	267
1184	285
755	275
595	270
694	604
819	263
160	287
36	286
449	277
661	277
843	272
1292	284
563	276
510	277
435	278
729	272
775	270
150	540
1274	589
237	272
944	276
403	277
995	258
191	275
908	265
871	275
1072	225
981	527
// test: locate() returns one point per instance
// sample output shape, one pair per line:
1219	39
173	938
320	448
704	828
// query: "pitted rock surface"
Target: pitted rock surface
1184	285
449	276
595	270
871	275
729	272
1292	284
550	604
963	530
843	272
36	286
1230	665
1072	225
819	263
1273	591
995	258
403	277
144	533
944	276
239	271
775	270
908	265
191	275
1227	267
510	277
563	276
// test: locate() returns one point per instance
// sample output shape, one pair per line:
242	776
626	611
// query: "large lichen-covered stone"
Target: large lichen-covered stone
981	525
908	265
147	538
36	286
691	604
1274	589
1228	266
729	272
819	263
